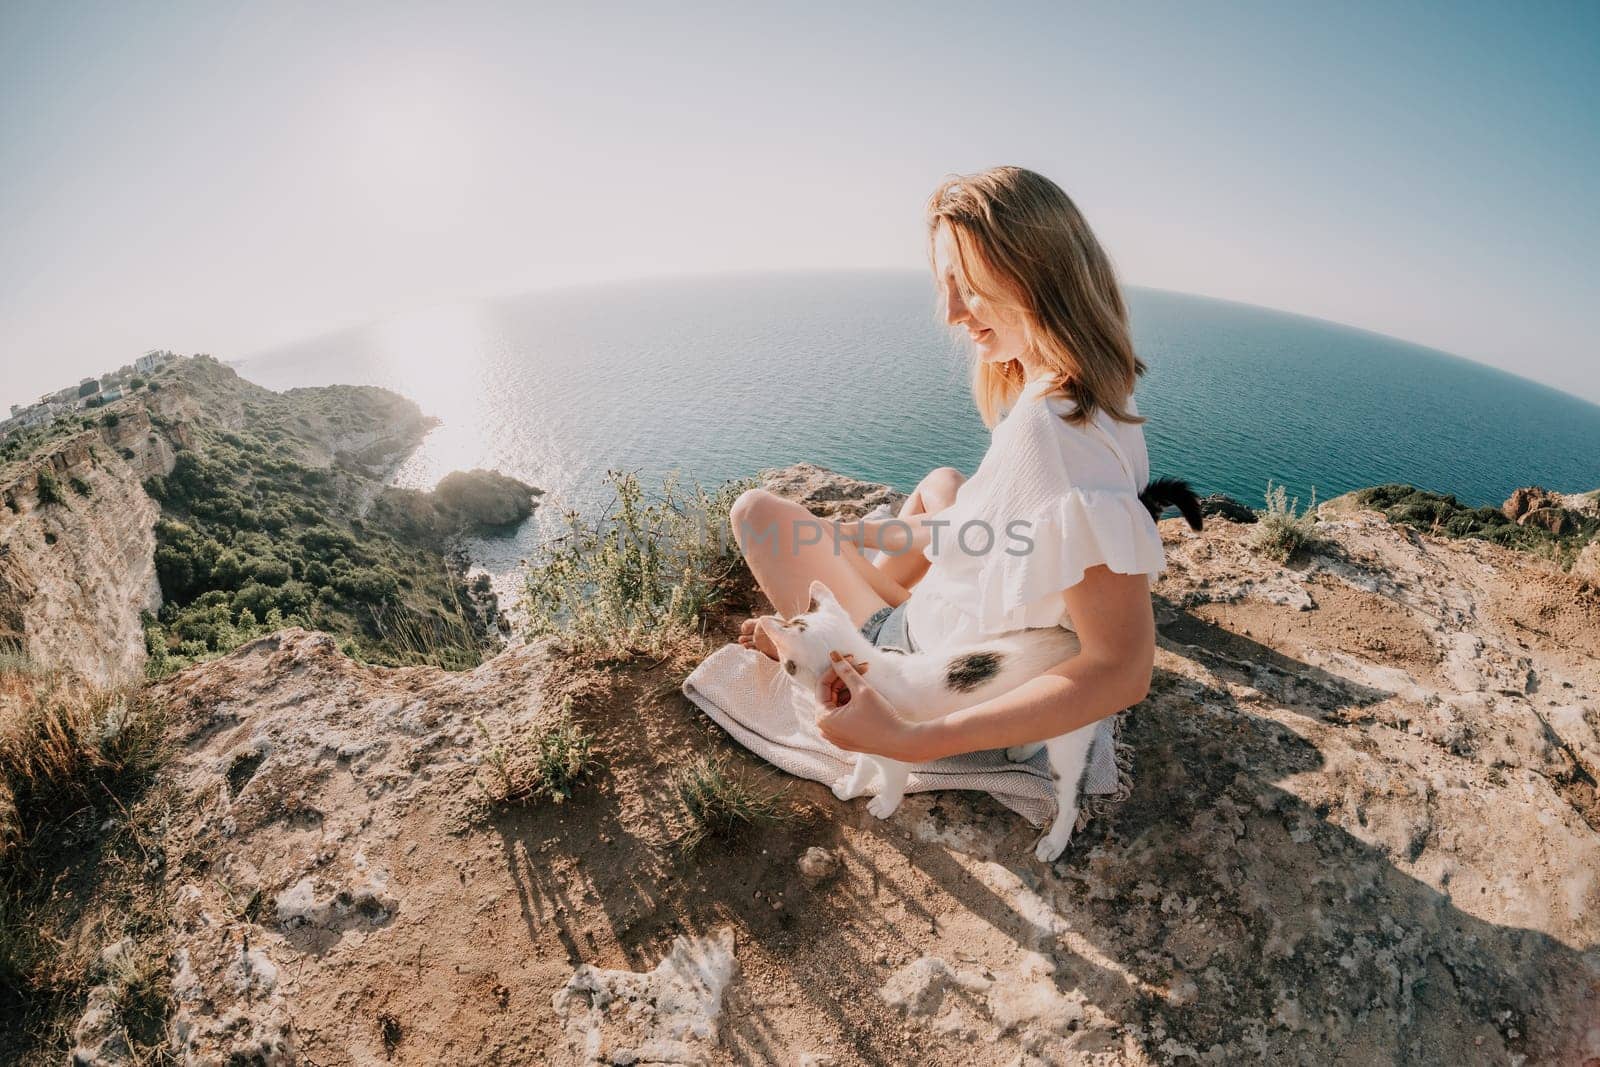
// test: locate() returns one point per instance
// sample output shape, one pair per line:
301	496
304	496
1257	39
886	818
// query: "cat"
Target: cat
927	685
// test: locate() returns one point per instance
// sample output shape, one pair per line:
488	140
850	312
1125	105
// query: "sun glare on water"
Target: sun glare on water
439	357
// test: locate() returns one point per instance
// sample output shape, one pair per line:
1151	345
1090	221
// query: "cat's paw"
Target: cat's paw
883	805
1050	847
847	789
1023	753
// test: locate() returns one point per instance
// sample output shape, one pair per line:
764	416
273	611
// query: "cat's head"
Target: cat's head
805	641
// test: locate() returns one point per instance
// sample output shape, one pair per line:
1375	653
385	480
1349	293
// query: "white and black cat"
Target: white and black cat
930	684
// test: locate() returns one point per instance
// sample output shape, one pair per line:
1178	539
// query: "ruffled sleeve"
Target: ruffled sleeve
1059	498
1020	583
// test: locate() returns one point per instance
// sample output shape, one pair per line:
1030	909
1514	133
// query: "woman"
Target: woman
1068	541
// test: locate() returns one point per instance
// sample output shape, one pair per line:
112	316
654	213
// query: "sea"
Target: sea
718	377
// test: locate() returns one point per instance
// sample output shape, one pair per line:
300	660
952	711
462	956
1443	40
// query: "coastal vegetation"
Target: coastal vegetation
1532	520
546	763
252	539
640	579
1283	530
49	489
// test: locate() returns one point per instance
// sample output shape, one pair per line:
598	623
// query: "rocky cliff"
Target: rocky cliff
1363	829
77	537
77	548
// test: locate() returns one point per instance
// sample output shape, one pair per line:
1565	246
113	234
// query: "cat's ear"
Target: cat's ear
820	595
774	633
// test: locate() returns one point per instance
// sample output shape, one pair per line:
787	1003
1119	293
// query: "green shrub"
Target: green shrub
110	418
49	488
371	585
1284	532
248	531
79	486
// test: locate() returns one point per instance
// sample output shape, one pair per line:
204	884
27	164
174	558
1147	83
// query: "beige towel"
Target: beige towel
745	694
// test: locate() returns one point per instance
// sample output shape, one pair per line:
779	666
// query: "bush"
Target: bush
79	486
289	599
49	488
1284	532
638	580
370	585
1444	515
248	533
269	571
110	418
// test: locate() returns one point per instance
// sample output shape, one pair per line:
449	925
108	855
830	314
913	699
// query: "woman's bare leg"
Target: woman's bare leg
932	495
788	548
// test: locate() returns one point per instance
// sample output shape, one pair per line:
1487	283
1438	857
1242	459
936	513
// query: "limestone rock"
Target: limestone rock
817	865
830	494
1362	829
1582	503
76	573
1226	507
1529	498
1556	520
1587	565
667	1015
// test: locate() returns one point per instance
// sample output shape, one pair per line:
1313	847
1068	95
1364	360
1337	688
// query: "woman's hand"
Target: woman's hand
859	719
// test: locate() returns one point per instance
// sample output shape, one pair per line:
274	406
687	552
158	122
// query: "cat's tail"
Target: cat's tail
1162	493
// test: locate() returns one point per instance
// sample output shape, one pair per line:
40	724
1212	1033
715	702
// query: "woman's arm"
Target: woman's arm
1116	633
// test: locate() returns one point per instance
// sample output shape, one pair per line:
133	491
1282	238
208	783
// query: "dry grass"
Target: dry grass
67	746
724	803
1284	531
80	862
547	764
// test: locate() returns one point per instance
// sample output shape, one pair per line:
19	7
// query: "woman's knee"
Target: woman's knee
938	489
754	515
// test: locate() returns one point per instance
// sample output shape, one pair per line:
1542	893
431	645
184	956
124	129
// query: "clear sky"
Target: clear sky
226	177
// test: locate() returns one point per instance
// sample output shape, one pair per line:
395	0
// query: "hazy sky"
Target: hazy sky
224	177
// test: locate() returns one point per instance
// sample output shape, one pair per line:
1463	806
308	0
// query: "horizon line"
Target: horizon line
511	293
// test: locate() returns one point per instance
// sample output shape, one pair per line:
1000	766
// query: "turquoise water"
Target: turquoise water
720	377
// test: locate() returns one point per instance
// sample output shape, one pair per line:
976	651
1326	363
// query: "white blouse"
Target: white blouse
1049	501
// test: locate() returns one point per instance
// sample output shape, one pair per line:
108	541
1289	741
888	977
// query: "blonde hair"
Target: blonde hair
1023	246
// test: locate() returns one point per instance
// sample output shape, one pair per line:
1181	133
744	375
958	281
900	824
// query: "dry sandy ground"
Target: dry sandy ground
1363	831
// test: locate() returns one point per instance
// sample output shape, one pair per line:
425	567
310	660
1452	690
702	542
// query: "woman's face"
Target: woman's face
996	332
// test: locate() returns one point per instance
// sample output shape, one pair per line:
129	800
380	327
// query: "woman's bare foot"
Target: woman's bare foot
753	636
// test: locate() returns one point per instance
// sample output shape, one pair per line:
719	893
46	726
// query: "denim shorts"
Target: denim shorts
887	629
